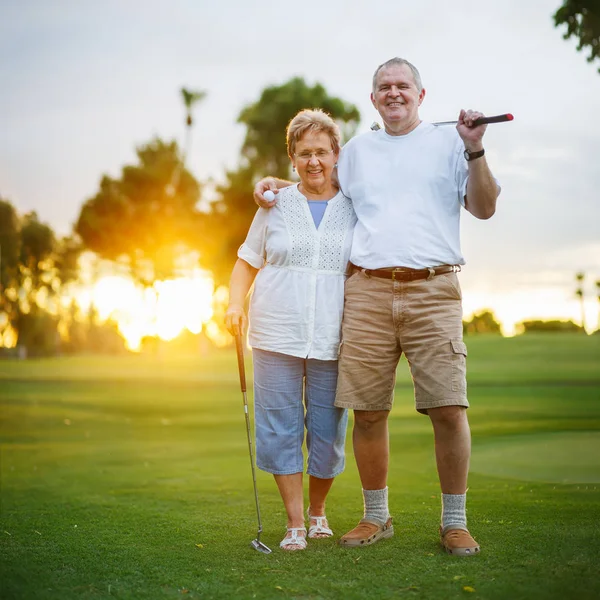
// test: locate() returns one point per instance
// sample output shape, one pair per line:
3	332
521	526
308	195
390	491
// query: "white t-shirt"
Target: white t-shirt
407	192
296	307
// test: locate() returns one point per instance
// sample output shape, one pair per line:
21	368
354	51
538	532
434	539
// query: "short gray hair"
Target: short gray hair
398	62
316	121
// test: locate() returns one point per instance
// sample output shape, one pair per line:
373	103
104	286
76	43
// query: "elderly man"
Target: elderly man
408	183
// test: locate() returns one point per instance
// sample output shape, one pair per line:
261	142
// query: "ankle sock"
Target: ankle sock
454	511
376	505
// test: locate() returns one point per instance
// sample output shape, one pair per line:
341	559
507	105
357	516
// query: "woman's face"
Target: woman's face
314	159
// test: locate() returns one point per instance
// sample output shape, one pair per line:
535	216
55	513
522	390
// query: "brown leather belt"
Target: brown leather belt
406	274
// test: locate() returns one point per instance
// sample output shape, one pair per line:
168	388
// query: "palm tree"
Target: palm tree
190	98
579	293
598	295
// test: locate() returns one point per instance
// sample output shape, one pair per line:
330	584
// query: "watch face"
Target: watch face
473	155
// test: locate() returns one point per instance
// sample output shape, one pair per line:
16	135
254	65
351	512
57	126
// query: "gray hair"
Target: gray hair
398	62
316	121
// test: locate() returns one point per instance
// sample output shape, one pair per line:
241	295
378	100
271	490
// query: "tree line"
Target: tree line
144	222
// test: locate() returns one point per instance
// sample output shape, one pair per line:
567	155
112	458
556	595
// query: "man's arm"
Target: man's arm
268	183
482	190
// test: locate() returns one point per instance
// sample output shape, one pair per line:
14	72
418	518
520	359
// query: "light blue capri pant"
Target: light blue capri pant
279	415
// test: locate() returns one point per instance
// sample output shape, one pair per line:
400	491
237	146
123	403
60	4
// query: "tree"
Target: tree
66	259
228	222
579	277
582	18
266	120
34	267
38	243
190	98
264	153
537	326
138	219
483	321
598	298
10	250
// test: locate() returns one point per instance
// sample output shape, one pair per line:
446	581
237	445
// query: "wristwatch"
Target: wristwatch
473	155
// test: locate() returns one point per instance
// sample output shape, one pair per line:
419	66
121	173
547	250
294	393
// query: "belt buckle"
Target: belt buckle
394	271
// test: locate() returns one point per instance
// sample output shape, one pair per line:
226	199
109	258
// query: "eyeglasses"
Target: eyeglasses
319	155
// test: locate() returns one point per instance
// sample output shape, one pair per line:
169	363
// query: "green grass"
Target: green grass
129	478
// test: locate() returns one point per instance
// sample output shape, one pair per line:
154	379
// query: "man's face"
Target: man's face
397	98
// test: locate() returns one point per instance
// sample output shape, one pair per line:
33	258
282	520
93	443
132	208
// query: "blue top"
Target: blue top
317	210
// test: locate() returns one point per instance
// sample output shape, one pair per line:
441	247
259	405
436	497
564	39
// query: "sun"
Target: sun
165	309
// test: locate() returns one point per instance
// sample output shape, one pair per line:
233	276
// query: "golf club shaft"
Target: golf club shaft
482	121
240	356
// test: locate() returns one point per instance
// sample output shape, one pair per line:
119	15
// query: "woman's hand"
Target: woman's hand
268	183
235	319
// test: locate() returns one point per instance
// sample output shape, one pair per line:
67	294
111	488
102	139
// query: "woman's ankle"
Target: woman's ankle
313	511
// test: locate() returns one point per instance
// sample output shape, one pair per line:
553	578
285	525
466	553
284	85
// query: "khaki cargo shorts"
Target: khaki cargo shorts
385	318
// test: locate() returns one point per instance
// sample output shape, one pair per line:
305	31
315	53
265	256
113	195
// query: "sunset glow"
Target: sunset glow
164	310
545	304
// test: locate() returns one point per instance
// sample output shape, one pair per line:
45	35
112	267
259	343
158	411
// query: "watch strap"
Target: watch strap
473	155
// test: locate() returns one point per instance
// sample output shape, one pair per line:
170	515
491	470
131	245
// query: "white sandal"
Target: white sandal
319	528
294	539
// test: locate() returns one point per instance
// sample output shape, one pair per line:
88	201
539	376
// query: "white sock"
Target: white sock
454	511
376	505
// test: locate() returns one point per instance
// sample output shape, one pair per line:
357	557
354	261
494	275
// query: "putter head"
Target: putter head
258	545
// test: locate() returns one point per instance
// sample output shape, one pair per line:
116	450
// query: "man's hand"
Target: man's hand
268	183
471	136
235	319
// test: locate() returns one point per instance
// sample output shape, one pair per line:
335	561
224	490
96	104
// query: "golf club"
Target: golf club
256	544
483	121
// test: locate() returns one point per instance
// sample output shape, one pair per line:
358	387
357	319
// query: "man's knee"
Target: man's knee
451	417
368	421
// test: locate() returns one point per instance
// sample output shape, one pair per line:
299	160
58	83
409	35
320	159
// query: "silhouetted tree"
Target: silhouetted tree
264	146
190	98
579	277
598	298
35	266
264	152
537	326
483	321
10	249
582	18
228	222
38	243
136	220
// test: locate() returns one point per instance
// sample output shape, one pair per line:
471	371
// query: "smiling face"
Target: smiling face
397	98
314	159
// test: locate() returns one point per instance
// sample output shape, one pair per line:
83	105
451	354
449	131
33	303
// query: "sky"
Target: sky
83	83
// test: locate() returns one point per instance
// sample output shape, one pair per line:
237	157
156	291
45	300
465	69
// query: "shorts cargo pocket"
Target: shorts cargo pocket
459	366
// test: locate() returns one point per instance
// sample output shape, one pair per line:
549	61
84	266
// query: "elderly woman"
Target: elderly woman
298	252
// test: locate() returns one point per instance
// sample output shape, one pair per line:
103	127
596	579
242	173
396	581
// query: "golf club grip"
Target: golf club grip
239	346
496	119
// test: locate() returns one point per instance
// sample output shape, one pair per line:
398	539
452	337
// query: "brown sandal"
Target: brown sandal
366	533
459	542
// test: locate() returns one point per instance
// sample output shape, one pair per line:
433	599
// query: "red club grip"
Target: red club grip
496	119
